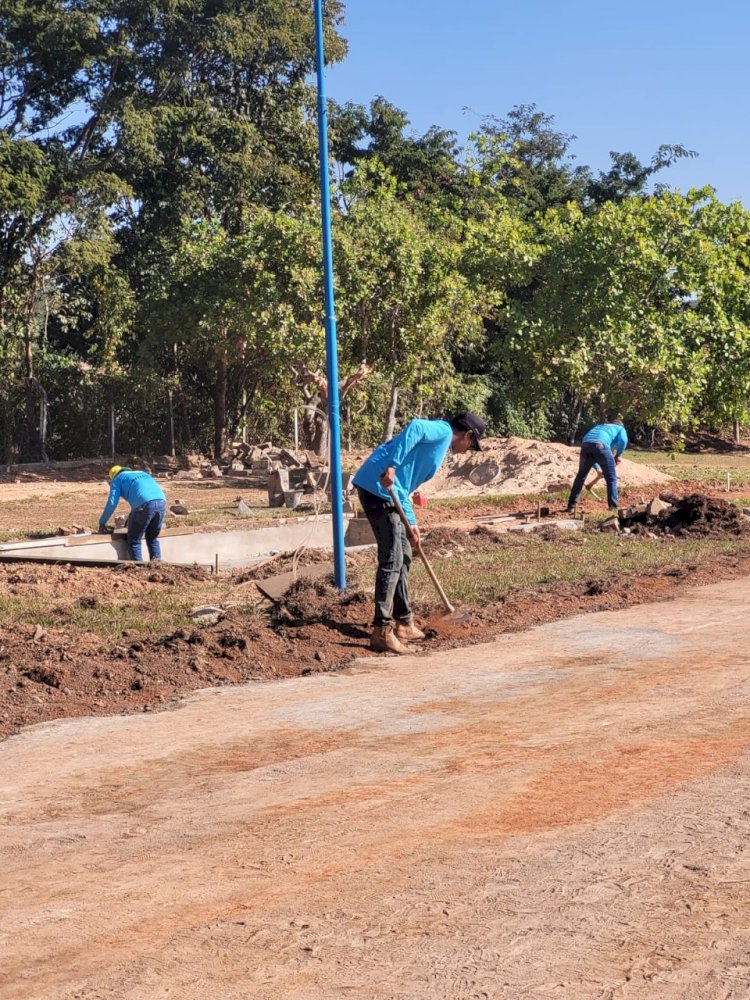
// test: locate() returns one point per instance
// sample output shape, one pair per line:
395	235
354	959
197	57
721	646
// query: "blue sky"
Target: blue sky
622	76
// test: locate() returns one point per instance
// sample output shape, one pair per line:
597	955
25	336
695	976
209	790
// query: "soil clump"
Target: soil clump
695	515
309	602
704	516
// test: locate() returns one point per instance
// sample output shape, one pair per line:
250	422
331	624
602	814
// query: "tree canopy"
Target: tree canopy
159	247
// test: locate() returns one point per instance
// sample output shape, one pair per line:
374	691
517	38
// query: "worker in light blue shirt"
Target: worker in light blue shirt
403	464
601	448
148	509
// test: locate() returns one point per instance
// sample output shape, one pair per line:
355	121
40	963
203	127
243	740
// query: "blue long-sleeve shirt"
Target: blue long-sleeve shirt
613	435
416	454
135	487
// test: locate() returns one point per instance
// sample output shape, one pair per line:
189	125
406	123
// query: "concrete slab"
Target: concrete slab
186	547
560	814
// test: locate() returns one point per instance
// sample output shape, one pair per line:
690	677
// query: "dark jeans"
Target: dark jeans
394	560
147	520
595	453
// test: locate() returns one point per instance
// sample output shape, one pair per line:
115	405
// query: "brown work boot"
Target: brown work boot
408	632
383	640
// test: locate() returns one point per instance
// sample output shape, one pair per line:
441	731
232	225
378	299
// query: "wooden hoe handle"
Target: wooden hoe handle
420	552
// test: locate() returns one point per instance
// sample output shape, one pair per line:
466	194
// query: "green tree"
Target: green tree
423	166
152	111
404	305
635	307
233	315
529	161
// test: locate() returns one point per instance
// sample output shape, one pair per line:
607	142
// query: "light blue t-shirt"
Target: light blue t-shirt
135	487
614	436
416	454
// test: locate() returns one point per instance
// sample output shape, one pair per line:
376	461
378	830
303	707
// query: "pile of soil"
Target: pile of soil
696	515
310	602
517	465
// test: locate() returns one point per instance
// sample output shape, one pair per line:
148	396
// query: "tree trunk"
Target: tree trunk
320	439
170	399
237	420
43	414
35	396
187	432
8	435
390	420
576	414
315	418
737	437
220	410
112	431
35	399
315	426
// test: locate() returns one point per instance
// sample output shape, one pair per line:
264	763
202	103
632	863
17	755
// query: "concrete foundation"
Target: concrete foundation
188	547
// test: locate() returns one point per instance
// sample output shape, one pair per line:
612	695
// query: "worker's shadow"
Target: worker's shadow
346	629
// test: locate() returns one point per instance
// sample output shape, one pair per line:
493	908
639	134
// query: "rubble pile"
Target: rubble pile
248	460
251	461
288	475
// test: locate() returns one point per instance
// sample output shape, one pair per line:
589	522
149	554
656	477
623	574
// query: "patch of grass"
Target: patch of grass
108	620
20	534
711	469
154	612
514	501
45	498
196	519
526	563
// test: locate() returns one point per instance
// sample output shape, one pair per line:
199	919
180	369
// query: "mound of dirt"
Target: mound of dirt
308	602
518	465
694	515
706	517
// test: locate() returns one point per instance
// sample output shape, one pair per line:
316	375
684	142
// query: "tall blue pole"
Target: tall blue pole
332	361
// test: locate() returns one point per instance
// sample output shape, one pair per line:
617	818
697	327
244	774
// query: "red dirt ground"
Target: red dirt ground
64	671
556	815
69	671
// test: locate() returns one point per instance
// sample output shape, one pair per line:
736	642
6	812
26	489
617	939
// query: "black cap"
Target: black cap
471	422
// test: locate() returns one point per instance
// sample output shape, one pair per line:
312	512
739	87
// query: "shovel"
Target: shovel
590	486
449	609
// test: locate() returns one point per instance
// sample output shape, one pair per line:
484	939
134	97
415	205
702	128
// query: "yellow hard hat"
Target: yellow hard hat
113	472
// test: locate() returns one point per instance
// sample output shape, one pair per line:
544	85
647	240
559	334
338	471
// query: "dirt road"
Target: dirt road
558	814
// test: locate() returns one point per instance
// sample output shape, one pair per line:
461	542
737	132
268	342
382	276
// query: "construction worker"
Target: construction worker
403	464
148	509
601	448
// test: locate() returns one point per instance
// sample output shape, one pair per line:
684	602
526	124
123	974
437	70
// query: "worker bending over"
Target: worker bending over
403	464
148	509
602	447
